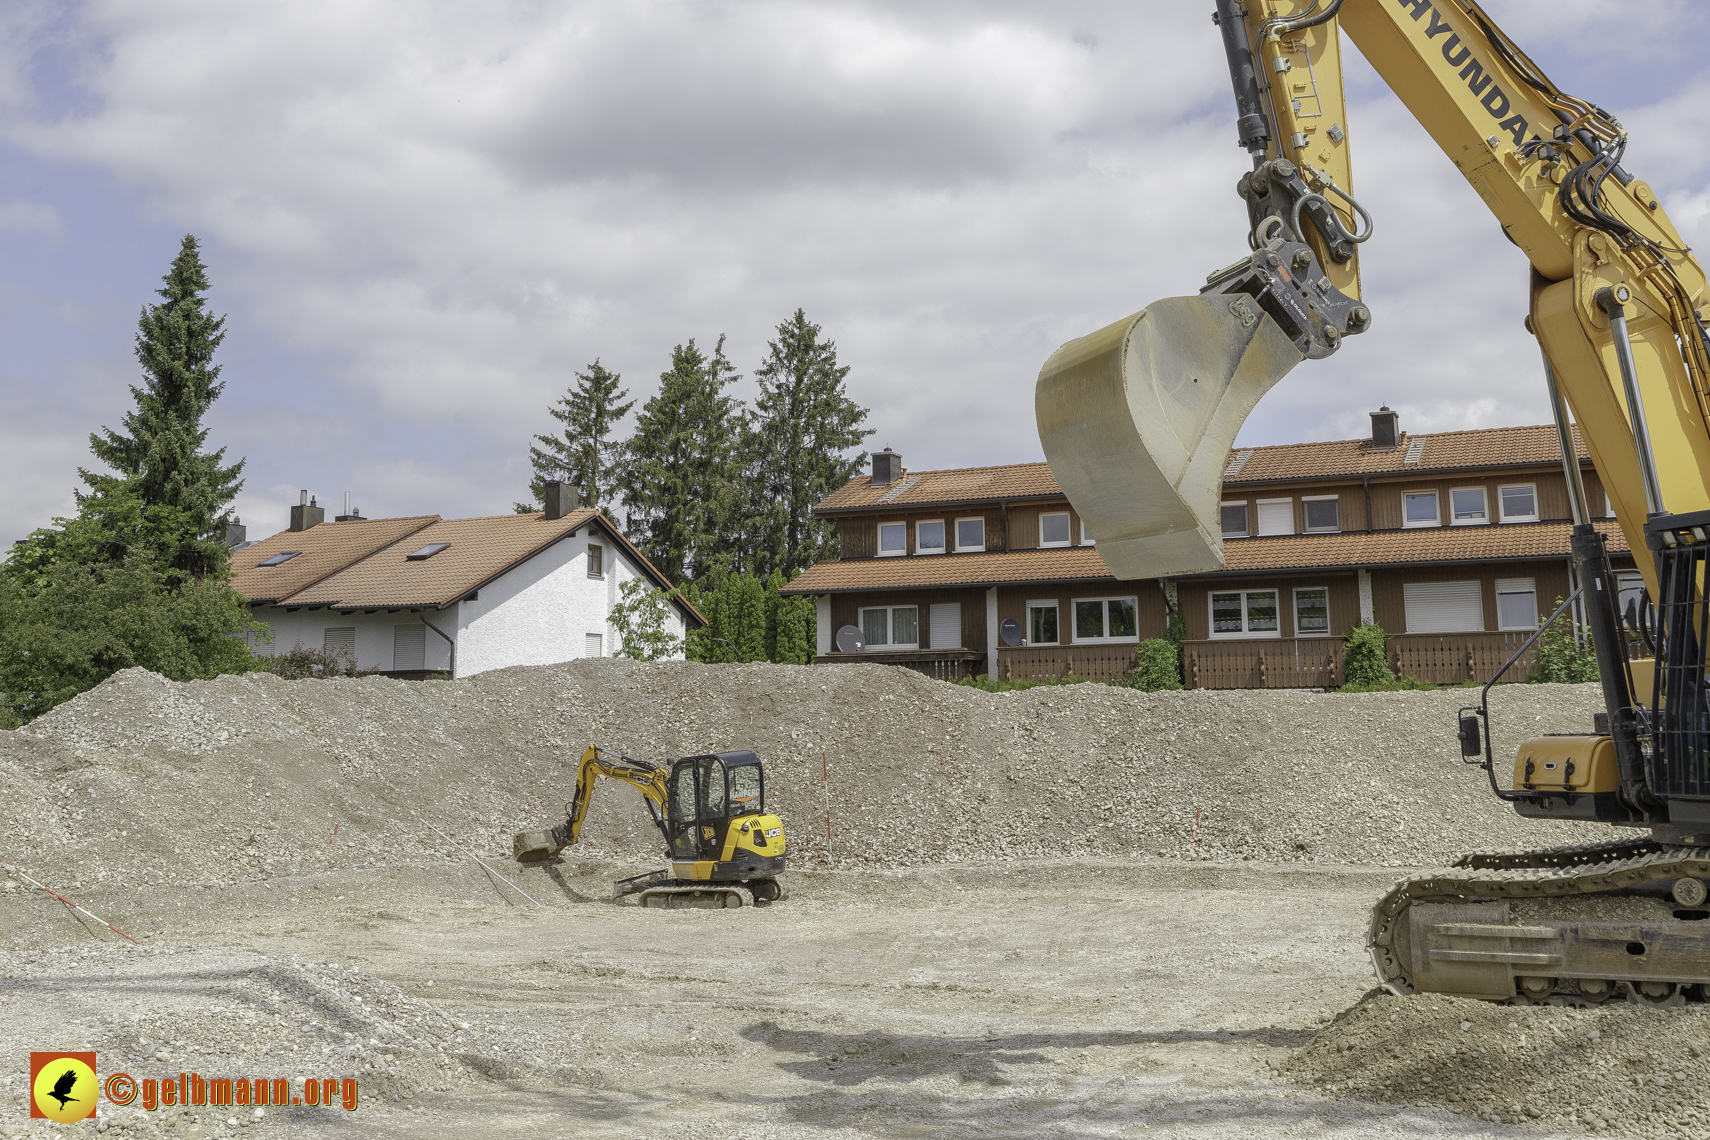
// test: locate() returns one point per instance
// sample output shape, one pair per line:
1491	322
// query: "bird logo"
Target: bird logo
63	1086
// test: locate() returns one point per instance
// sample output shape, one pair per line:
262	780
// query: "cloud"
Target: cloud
422	218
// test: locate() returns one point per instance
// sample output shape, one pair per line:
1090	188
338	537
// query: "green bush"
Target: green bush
641	619
299	663
1397	685
1562	659
1364	662
1157	666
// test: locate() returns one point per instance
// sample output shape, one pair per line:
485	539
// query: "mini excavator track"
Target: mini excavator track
1566	926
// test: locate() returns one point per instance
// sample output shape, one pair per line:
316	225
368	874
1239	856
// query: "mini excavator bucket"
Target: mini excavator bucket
1137	419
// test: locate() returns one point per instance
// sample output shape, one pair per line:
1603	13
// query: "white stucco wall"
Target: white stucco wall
539	613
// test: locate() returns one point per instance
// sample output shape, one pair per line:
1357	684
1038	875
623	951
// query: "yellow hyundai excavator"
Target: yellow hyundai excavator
725	849
1137	420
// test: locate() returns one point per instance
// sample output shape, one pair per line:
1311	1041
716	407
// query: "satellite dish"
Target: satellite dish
849	639
1010	631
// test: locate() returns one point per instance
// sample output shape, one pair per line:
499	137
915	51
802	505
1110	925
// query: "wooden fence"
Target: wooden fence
1316	662
942	664
1047	663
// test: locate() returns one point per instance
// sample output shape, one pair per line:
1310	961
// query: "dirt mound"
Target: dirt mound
246	777
1619	1067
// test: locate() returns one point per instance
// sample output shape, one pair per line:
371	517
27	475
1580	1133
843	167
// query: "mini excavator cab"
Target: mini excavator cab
716	822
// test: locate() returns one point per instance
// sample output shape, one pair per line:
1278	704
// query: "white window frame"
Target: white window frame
1075	633
960	549
890	627
1247	508
1068	532
1436	498
1306	526
1502	506
1511	592
1484	509
879	540
1086	535
596	560
944	548
1211	621
1327	631
1044	604
1259	516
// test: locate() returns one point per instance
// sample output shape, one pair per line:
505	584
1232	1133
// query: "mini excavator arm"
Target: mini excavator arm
645	776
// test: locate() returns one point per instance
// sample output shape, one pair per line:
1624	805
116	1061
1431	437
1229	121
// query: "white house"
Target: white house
411	595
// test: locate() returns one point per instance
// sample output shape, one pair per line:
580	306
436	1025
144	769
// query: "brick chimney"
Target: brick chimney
306	514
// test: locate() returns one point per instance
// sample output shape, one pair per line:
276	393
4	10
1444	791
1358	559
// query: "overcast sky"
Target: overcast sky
421	218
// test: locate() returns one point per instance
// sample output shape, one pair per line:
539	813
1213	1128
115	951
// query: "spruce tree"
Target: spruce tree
678	477
157	460
584	454
803	425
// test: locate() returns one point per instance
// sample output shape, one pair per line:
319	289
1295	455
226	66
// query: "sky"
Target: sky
422	218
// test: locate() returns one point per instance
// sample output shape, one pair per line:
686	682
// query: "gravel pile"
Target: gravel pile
243	778
1618	1068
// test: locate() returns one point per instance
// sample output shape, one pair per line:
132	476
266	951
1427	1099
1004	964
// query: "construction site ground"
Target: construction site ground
1076	912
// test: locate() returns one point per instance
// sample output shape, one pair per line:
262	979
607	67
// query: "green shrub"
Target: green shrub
642	618
1394	685
1364	662
1560	658
1158	665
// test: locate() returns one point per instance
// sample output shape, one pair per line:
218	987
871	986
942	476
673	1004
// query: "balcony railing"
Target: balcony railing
1316	662
1051	662
943	664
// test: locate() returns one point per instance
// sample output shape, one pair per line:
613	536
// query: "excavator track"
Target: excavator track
1570	925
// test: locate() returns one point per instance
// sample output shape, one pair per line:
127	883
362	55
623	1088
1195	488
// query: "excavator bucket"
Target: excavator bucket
1137	420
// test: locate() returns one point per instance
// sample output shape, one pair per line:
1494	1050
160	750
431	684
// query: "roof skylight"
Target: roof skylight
278	559
427	551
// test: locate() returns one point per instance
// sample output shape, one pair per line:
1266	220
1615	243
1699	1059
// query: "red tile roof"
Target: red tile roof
1438	451
325	549
1508	542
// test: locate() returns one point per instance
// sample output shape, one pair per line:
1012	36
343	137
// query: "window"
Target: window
596	561
945	625
426	552
1312	612
409	646
747	790
1106	619
279	559
1234	520
891	627
1276	516
594	645
1517	603
1519	503
1042	623
1419	508
1443	607
1054	529
1086	535
970	534
929	537
1323	514
893	539
1244	613
1468	507
340	640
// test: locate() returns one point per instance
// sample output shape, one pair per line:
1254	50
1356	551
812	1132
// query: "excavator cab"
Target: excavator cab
717	826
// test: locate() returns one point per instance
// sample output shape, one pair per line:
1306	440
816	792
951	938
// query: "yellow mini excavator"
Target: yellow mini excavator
724	849
1137	420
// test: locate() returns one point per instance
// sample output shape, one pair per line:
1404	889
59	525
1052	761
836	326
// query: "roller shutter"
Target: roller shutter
1443	607
409	646
947	626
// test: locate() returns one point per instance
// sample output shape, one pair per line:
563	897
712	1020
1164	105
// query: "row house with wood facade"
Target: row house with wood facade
1453	542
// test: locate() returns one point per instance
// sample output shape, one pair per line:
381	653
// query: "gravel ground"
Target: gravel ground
1072	911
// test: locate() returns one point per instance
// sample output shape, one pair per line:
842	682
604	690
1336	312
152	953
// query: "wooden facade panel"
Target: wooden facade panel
1195	600
1152	616
846	610
1389	605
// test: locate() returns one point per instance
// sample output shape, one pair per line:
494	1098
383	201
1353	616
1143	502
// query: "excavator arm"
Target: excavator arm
1137	418
645	776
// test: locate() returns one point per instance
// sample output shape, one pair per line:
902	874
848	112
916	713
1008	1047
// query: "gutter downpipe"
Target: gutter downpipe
453	670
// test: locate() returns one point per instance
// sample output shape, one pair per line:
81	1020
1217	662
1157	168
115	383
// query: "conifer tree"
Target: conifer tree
678	477
803	426
584	454
180	492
